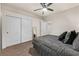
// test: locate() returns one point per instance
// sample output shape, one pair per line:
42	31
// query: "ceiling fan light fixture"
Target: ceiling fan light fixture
45	9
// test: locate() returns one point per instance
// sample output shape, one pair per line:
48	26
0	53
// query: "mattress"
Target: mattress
50	45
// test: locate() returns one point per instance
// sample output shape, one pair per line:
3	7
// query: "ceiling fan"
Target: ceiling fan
45	7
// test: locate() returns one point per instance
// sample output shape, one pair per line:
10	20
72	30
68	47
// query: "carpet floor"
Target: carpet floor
23	49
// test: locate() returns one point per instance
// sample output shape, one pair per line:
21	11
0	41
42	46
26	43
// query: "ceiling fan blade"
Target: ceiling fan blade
38	9
49	4
50	9
43	5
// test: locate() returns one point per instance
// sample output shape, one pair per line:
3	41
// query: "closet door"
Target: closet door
44	28
11	31
26	29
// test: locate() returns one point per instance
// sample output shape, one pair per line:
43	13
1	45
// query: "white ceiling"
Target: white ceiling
32	6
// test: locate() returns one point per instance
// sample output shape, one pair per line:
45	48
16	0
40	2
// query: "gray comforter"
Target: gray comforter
49	45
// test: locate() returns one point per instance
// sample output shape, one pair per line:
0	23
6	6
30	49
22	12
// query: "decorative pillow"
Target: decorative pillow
72	37
76	43
62	36
67	37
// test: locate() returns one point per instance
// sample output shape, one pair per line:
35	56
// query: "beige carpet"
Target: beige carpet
23	49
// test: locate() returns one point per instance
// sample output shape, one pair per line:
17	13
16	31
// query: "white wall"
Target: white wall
0	29
64	21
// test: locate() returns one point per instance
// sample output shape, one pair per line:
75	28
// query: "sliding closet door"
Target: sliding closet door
26	29
11	31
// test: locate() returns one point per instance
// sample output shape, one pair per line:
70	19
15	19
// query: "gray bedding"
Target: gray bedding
49	45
